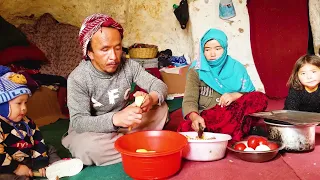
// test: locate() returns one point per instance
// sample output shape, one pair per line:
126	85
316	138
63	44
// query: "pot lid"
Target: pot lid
289	116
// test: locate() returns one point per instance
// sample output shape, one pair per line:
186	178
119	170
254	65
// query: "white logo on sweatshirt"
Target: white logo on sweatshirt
96	103
113	94
127	94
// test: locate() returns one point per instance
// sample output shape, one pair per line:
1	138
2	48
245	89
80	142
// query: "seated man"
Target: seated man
98	91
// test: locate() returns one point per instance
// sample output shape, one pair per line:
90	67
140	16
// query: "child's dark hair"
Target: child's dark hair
294	81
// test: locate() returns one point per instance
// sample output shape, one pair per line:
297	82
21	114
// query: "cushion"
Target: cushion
45	23
58	41
30	66
20	53
10	35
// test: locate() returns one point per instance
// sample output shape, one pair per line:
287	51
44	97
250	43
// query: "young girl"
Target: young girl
23	153
219	93
304	94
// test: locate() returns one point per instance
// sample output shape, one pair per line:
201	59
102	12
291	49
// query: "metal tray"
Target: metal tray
289	116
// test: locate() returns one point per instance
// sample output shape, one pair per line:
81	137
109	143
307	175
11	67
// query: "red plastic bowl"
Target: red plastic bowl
163	163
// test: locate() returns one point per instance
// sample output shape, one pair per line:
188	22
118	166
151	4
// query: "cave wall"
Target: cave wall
150	22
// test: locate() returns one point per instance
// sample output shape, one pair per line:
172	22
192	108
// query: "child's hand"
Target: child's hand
42	172
23	170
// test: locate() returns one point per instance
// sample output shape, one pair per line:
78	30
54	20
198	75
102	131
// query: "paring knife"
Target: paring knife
200	132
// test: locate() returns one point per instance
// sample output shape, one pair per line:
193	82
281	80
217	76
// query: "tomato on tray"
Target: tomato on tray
262	140
256	143
240	147
273	145
253	142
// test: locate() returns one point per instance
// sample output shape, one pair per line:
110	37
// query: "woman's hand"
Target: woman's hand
23	170
227	98
147	101
196	119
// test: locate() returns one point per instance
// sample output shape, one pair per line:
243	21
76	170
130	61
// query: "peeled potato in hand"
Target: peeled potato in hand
139	100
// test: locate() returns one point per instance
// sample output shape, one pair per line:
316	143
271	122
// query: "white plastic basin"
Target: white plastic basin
205	150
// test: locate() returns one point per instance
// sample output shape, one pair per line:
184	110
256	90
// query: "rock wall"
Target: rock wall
151	21
314	11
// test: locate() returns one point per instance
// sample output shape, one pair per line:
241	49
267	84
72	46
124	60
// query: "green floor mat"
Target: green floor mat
114	172
174	104
52	134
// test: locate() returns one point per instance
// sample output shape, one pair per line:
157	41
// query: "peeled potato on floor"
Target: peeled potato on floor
138	100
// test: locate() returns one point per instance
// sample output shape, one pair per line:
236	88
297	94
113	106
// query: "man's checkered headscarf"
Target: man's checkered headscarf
91	25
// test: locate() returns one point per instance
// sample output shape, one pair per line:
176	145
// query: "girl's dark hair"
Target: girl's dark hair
294	81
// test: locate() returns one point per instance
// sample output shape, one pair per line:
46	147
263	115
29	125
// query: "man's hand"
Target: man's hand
148	101
128	116
23	170
196	119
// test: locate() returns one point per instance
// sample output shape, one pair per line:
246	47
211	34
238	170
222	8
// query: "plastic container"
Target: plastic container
206	150
164	162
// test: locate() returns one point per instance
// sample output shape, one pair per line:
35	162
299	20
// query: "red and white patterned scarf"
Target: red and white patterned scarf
91	25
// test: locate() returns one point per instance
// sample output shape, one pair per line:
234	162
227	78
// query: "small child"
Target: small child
304	92
23	153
